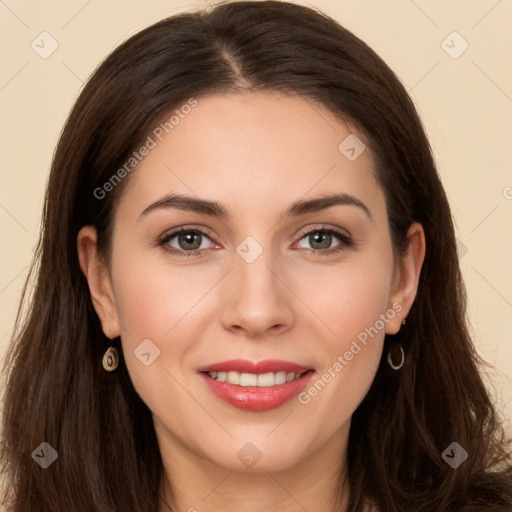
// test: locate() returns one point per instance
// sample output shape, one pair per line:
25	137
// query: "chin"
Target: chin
258	456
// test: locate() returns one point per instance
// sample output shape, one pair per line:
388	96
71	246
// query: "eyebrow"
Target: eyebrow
216	210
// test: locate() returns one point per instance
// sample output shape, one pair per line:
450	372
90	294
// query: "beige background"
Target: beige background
465	103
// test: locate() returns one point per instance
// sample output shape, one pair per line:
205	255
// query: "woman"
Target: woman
248	295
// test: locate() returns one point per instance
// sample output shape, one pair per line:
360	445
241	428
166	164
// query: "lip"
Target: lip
256	398
246	366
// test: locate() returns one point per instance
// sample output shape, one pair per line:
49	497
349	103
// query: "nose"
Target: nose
257	298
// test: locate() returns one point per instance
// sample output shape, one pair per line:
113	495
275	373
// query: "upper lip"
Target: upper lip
257	367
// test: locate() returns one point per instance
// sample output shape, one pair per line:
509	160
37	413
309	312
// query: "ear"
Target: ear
406	276
98	278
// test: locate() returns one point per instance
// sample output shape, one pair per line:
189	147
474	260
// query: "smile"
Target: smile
256	386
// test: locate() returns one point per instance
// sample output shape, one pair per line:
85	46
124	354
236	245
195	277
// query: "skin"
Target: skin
256	154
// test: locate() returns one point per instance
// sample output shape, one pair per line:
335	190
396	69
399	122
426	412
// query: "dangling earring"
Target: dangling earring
393	347
390	360
110	358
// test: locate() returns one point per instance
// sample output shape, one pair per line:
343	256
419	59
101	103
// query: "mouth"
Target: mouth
256	386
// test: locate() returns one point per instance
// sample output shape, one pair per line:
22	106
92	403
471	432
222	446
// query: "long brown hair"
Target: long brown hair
56	390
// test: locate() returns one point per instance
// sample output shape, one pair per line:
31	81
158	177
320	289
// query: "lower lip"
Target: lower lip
255	398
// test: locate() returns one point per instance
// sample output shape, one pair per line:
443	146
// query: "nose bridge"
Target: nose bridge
252	265
256	299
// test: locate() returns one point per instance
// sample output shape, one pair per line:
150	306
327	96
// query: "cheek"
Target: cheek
353	306
159	304
152	298
350	300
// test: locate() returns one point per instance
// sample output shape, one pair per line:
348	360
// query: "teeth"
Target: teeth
266	379
280	378
233	378
246	379
251	379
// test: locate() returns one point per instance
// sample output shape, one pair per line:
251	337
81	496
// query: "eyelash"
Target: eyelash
345	240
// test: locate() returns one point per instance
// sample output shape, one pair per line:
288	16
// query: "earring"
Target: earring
390	360
110	358
403	321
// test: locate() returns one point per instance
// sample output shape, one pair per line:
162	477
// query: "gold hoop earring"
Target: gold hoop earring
110	359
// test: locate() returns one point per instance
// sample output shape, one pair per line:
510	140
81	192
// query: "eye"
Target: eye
185	242
321	239
191	242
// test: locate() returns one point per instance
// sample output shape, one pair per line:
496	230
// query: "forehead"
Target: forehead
253	150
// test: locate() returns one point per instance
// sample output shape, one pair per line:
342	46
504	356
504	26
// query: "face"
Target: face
266	282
